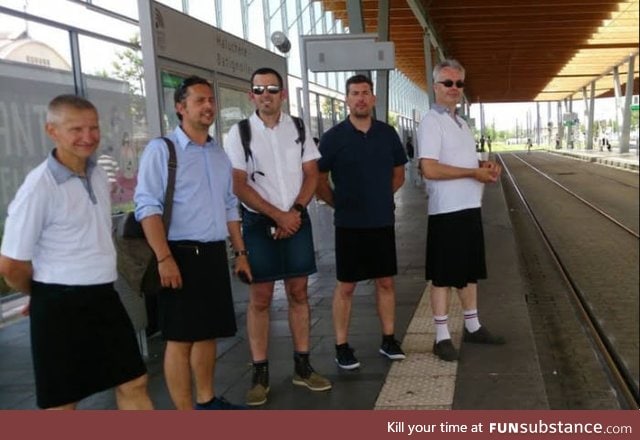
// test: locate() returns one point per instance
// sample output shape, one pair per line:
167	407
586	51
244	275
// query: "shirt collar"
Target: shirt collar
184	140
61	173
442	109
256	117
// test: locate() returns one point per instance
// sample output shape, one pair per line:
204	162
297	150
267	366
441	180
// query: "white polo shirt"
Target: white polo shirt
61	222
450	142
275	168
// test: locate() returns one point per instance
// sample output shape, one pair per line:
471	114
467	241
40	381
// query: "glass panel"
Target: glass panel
203	10
233	106
255	27
174	4
313	104
128	9
32	72
232	18
114	83
326	113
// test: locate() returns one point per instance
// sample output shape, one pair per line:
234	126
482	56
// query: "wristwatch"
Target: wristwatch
298	207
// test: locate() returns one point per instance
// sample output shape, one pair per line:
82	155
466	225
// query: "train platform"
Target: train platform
612	158
486	377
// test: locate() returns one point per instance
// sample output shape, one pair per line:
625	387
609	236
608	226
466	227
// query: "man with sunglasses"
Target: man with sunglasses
275	186
195	306
455	181
366	160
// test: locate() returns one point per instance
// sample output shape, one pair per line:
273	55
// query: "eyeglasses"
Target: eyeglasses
448	83
272	89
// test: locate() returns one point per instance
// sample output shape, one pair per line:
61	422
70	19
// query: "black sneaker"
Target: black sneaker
345	358
391	349
482	336
445	350
218	403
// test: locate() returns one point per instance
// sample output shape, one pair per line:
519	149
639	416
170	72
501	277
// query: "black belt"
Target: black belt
195	247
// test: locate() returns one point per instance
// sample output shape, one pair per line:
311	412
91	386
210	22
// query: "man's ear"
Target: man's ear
51	130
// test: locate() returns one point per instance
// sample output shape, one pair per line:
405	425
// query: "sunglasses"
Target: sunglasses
448	83
259	90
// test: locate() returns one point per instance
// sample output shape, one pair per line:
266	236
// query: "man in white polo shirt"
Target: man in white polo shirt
275	183
57	247
455	182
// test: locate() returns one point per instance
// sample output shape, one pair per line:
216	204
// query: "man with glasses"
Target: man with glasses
275	185
195	306
455	179
366	160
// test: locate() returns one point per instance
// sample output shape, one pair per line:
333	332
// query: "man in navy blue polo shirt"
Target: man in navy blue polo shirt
366	160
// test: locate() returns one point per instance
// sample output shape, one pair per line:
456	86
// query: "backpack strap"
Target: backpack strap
245	138
302	135
172	165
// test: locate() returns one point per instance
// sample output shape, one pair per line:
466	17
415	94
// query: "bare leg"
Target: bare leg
203	362
260	295
342	299
133	394
469	296
439	300
178	373
299	313
386	301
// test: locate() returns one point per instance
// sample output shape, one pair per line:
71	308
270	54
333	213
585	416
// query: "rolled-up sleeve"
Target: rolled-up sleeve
231	201
152	180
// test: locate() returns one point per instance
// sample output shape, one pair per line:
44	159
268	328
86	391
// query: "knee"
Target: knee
345	290
260	300
135	387
385	285
298	297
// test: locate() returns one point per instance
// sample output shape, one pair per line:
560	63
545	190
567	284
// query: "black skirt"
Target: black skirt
455	249
363	254
203	308
82	342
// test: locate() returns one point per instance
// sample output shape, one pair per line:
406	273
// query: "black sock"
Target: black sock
209	402
339	346
388	338
301	363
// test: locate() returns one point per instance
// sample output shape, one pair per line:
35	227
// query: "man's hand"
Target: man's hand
242	266
288	224
169	273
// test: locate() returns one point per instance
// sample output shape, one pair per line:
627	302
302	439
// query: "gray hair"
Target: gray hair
73	101
451	63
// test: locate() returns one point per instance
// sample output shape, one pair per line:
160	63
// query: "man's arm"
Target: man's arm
398	177
434	170
16	273
157	239
241	261
288	221
323	190
309	182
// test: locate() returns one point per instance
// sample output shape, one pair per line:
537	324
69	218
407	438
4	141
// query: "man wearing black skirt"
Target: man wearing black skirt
455	182
366	160
57	247
195	306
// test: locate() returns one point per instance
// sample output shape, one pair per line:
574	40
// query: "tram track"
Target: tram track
590	304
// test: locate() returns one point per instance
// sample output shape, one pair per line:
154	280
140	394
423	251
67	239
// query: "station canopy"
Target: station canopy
514	50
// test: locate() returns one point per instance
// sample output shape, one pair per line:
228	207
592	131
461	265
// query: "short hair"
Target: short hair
268	71
449	62
68	100
183	89
358	79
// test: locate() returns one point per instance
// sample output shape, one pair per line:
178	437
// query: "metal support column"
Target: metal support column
428	65
560	134
382	76
626	113
356	25
78	81
591	108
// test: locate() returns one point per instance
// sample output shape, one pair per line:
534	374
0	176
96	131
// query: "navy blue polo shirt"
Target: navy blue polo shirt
361	166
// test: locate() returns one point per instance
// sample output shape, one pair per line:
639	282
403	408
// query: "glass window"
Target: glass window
232	18
32	72
128	9
326	113
255	27
313	104
174	4
204	11
233	106
113	79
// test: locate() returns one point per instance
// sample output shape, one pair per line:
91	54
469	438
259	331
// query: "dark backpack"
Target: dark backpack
245	136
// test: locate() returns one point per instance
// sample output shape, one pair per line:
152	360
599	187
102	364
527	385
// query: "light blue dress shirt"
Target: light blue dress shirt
203	201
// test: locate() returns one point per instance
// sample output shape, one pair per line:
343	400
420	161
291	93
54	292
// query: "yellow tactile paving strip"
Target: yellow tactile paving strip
422	381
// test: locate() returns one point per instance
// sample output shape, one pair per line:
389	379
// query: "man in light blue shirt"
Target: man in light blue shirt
195	305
